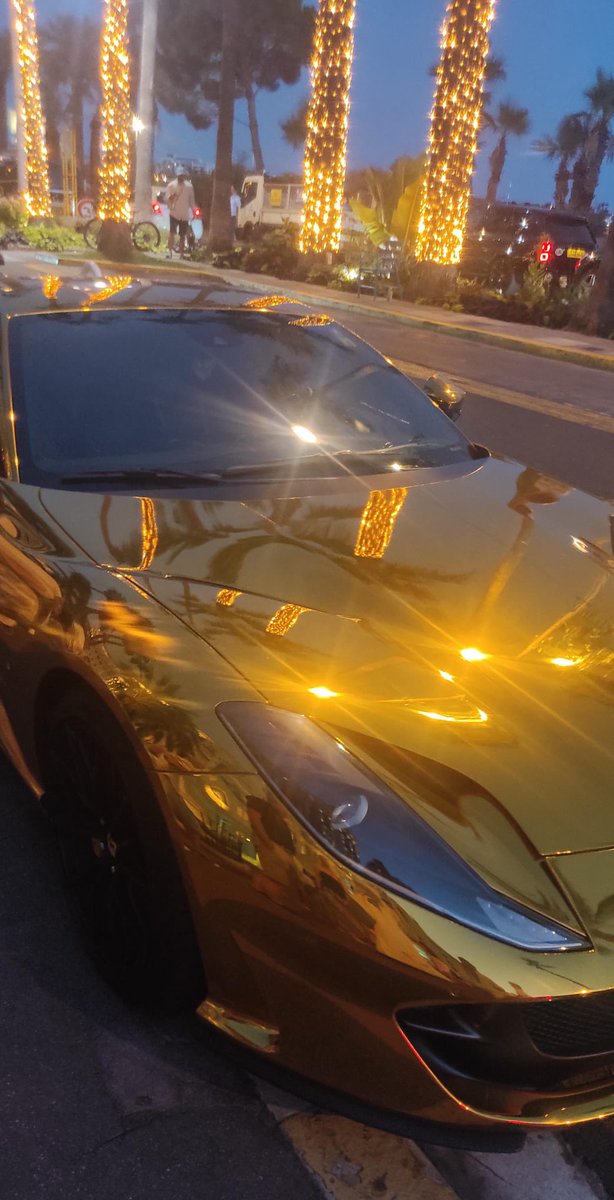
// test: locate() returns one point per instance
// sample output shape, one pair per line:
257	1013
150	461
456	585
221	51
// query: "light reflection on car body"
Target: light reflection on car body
455	637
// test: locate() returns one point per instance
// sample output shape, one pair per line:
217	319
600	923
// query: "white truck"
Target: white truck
270	200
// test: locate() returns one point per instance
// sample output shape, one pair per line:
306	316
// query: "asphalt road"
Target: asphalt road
96	1101
554	416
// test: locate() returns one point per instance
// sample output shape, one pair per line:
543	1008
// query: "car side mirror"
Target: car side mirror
448	396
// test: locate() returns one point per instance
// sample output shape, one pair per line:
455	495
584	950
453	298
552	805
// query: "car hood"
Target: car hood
467	620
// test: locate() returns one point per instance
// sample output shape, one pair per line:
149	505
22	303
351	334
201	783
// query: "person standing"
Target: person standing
181	205
235	209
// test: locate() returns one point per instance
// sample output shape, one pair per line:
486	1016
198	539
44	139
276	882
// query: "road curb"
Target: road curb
350	1161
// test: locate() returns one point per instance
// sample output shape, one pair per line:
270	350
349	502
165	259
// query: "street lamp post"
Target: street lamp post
143	124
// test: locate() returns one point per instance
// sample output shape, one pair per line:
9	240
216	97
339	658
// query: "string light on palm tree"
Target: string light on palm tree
31	121
327	126
455	122
115	113
378	521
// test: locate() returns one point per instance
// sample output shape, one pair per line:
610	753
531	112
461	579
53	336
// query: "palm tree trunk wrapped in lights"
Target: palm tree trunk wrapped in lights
327	126
455	121
114	202
31	131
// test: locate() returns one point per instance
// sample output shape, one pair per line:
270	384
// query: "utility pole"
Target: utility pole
144	133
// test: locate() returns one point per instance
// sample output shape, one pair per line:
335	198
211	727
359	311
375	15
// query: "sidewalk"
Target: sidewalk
529	339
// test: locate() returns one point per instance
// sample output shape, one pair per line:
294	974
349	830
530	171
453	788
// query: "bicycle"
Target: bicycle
145	235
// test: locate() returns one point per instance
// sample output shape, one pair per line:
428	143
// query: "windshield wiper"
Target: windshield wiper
144	475
339	461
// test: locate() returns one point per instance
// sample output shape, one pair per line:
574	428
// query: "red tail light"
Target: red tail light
197	213
157	208
546	252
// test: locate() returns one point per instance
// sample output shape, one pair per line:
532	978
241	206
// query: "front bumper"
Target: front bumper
534	1061
325	974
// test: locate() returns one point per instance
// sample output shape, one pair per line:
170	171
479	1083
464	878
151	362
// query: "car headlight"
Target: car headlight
368	827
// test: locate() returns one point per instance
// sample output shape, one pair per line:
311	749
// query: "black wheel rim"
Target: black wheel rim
100	852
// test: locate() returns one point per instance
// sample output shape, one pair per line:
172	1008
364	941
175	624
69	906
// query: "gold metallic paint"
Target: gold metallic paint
171	606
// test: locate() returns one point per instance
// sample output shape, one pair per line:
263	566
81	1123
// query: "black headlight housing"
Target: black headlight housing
371	829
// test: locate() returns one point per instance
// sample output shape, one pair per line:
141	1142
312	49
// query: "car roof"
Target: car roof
481	208
34	283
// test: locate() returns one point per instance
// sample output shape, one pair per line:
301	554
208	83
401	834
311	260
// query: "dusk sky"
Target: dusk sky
552	49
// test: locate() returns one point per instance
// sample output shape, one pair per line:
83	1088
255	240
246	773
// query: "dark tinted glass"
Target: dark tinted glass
569	232
210	391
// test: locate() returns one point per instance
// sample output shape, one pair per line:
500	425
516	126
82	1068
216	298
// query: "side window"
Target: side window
249	193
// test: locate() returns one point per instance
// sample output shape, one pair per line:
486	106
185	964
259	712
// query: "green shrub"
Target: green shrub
275	254
11	214
225	258
319	274
53	237
534	287
565	306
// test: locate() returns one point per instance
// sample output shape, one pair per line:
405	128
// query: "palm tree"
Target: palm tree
598	145
509	121
455	121
564	146
496	72
327	126
220	233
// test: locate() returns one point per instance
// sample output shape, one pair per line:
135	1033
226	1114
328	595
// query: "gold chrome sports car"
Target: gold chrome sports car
320	698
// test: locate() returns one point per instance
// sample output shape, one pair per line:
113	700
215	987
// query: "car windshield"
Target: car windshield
211	392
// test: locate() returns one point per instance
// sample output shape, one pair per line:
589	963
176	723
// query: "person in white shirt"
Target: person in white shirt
181	205
235	209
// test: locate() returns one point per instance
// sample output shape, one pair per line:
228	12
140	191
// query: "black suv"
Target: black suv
503	239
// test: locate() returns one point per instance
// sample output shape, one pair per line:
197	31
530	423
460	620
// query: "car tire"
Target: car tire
146	236
122	875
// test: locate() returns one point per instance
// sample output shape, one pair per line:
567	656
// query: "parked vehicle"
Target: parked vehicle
503	239
317	696
268	201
